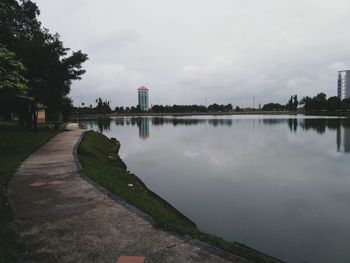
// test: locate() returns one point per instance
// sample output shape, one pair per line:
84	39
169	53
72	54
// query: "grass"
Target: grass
16	144
99	158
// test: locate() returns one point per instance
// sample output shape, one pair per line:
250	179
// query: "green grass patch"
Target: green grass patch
99	158
16	143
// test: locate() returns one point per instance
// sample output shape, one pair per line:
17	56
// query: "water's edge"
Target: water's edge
202	245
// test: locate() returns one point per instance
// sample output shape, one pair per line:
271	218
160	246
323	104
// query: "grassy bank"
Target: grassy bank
99	158
16	143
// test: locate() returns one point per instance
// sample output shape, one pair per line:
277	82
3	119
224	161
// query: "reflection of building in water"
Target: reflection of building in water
143	125
343	139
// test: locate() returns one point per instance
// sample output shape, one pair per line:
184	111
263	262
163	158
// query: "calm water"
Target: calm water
278	184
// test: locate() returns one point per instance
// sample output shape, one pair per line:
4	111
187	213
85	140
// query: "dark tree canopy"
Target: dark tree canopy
273	107
50	66
321	103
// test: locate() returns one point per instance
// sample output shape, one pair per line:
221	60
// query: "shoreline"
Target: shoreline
151	114
178	114
210	242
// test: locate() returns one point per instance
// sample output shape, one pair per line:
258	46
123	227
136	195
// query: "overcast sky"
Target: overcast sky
185	51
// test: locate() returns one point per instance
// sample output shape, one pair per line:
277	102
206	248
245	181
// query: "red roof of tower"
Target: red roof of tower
142	88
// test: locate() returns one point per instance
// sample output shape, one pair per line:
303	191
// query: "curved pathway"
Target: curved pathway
63	218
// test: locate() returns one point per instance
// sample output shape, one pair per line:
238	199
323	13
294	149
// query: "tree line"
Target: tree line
320	102
103	107
36	69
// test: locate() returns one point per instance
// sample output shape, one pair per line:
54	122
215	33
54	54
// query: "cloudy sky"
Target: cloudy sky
187	51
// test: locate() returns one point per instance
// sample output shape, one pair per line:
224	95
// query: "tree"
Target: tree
13	86
66	107
295	102
345	104
306	102
103	106
333	104
51	67
321	101
289	105
228	107
12	82
292	104
273	107
317	103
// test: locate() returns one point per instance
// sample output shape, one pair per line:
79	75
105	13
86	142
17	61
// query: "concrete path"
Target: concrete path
63	218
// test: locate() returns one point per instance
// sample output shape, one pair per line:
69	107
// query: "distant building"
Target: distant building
143	97
344	84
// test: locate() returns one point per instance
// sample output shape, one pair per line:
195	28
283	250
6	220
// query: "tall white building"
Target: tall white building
344	84
143	98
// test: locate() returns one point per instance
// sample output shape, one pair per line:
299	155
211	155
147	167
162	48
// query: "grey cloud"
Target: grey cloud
186	51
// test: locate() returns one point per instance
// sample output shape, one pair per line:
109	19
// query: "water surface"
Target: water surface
279	184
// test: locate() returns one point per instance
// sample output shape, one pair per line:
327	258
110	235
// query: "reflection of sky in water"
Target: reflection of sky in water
279	185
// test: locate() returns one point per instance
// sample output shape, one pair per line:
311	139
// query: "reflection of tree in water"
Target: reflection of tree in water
318	125
274	121
314	124
104	124
341	126
293	124
183	121
136	121
159	121
119	121
220	122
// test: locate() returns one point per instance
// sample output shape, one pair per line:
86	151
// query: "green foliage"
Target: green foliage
66	108
99	157
292	104
102	106
12	82
16	144
13	85
273	107
192	108
345	105
321	103
119	109
333	104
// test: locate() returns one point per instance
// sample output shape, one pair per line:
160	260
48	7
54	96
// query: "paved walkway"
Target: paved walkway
63	218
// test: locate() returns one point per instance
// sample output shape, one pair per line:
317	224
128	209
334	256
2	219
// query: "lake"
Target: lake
280	184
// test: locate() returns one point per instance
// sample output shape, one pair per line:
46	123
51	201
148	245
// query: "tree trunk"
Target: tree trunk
29	120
